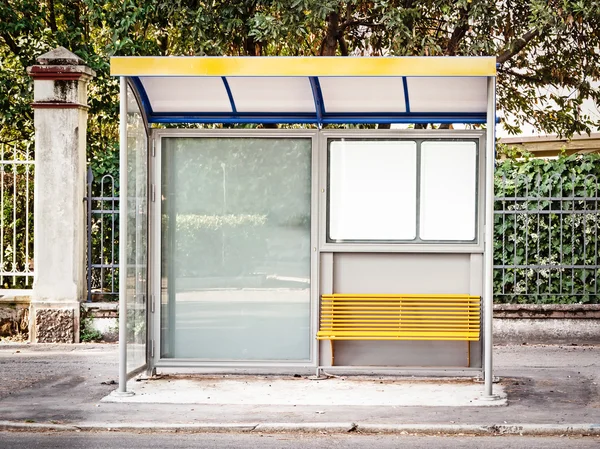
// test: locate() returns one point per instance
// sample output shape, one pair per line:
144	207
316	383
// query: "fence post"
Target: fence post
88	227
60	117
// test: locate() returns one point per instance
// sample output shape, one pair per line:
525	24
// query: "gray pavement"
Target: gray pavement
552	390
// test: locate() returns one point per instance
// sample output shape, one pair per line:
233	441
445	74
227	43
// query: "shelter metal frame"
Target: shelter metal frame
314	69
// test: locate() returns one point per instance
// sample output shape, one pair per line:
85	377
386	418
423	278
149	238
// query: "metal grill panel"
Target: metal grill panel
546	240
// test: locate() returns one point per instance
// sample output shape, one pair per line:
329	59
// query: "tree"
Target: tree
538	44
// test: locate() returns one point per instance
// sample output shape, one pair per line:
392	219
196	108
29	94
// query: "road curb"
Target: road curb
483	429
312	427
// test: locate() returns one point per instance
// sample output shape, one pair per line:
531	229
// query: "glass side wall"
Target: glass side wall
137	234
235	256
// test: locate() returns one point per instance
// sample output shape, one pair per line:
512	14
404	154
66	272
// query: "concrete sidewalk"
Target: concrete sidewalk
551	390
297	390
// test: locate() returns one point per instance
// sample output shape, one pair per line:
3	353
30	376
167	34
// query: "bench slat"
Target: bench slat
406	318
400	317
399	311
405	337
372	328
375	333
398	300
398	295
447	314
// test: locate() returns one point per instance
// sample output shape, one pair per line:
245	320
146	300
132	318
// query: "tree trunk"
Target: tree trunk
251	47
52	16
330	43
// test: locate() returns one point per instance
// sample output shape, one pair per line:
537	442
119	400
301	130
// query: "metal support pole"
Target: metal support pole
90	179
123	239
488	263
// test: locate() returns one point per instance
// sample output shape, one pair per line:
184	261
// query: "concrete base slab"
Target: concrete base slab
355	391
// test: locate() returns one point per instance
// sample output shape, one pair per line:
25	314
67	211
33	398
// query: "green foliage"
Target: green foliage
87	333
103	164
546	230
540	45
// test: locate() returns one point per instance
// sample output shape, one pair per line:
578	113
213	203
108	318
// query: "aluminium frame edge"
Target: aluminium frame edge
488	262
123	241
452	247
156	237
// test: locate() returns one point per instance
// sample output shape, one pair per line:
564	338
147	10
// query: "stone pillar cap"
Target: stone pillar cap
60	64
60	56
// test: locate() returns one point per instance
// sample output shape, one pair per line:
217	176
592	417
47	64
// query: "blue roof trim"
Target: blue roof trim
229	94
345	118
406	99
318	97
139	87
259	115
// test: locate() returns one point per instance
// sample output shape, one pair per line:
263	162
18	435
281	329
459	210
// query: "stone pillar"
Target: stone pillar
60	114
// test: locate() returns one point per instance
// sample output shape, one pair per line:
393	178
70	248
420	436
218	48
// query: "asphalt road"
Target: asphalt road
279	441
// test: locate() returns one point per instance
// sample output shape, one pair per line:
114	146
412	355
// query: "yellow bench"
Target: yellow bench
400	317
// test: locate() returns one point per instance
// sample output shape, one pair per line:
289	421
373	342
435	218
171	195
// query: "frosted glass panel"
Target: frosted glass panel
447	94
448	190
372	190
369	94
137	234
236	248
187	94
272	94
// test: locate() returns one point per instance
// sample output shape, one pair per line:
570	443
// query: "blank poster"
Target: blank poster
448	190
372	190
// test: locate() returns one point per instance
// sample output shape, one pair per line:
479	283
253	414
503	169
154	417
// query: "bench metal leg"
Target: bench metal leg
319	368
332	357
468	354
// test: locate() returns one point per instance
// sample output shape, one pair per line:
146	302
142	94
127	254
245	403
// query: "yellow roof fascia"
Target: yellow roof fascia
302	66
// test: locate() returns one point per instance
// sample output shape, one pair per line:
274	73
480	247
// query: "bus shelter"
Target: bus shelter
250	247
